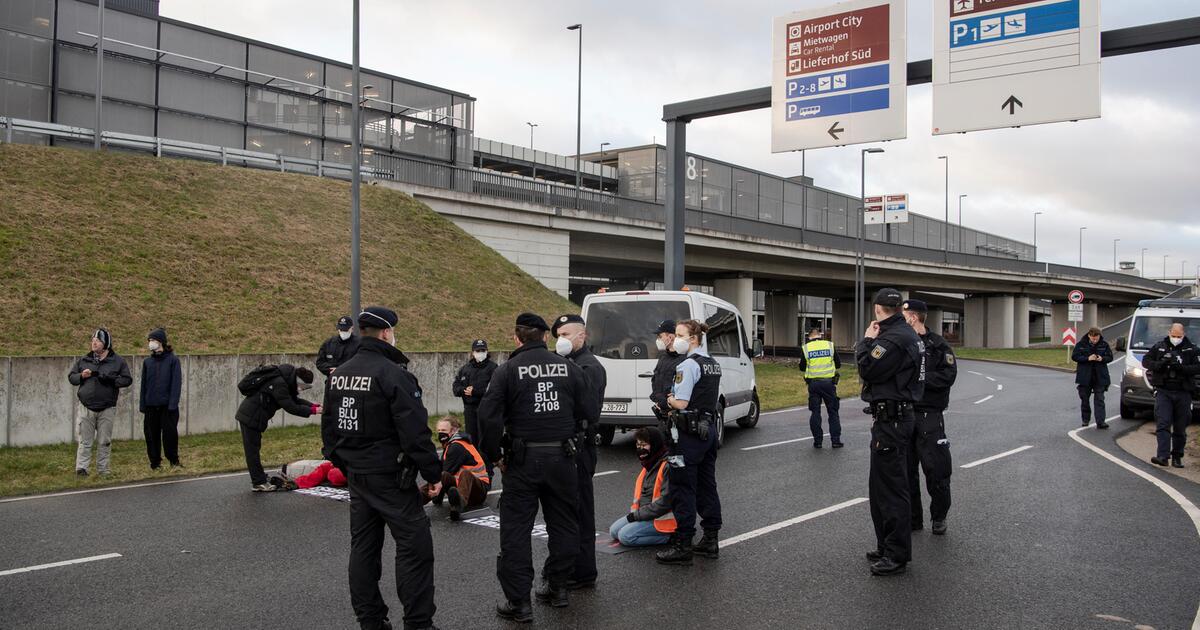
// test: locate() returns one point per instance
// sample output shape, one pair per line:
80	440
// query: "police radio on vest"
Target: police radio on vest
542	371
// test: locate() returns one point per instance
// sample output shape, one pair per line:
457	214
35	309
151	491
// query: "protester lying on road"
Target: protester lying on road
308	473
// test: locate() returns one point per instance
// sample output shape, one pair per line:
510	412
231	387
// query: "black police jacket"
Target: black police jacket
373	414
474	374
538	396
280	392
335	352
1173	368
1092	373
664	376
941	370
892	366
596	377
99	391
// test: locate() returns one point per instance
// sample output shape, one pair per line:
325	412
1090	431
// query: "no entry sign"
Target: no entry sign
1075	296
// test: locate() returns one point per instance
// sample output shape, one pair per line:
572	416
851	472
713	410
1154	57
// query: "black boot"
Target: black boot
1177	462
550	594
456	503
520	612
680	552
874	556
708	545
886	566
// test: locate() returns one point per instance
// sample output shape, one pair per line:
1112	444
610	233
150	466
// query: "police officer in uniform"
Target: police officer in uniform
664	371
819	362
692	431
1172	365
375	428
891	364
537	399
571	335
930	449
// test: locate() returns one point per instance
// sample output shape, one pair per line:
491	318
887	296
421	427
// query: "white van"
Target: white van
620	329
1149	325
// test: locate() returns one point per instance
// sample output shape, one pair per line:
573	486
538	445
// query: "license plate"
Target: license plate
615	407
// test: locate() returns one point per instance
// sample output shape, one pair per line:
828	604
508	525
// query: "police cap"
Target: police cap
531	320
479	344
564	320
916	306
665	326
345	323
377	317
888	297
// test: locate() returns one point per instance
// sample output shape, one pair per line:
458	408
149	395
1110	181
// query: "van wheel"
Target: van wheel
751	419
720	425
605	434
1127	412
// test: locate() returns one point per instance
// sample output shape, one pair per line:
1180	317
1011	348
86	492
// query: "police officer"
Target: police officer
339	348
571	335
536	398
664	370
692	431
1172	365
470	383
891	364
819	362
375	428
930	448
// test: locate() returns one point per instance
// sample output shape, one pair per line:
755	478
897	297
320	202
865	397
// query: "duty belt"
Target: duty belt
557	444
889	409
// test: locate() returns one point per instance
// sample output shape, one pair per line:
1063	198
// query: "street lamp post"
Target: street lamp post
1143	262
534	158
1165	257
99	78
1035	216
355	179
1115	241
733	210
961	245
1081	246
860	271
578	113
946	221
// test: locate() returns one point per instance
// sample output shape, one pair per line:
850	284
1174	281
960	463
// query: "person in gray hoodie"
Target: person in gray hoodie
99	375
649	521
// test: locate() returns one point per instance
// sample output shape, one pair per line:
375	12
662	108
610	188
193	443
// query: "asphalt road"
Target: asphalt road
1053	536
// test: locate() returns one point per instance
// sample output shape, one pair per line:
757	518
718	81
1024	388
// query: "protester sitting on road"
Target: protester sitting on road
1091	358
650	521
162	382
99	375
308	473
269	388
465	479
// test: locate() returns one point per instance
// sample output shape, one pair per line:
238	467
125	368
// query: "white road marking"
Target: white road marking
599	474
799	408
791	521
974	372
999	387
128	487
995	457
984	399
752	448
990	379
1189	508
60	564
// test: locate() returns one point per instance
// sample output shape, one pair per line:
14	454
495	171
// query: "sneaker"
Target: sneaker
178	465
816	445
1158	461
1101	425
1177	462
456	503
81	472
263	487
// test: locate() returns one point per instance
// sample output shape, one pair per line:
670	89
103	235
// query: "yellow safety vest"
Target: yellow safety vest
818	354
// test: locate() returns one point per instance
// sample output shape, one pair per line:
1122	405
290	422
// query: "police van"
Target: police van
1149	325
620	327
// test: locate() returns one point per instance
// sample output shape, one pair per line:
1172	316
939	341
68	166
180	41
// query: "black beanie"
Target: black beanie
159	335
304	374
104	338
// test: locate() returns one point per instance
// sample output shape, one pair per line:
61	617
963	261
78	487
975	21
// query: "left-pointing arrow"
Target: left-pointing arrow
834	130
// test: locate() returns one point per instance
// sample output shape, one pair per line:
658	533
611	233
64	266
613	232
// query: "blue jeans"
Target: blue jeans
637	533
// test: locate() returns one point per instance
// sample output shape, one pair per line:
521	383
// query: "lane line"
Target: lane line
1189	508
990	379
995	457
802	407
64	563
599	474
752	448
974	372
128	487
791	521
984	399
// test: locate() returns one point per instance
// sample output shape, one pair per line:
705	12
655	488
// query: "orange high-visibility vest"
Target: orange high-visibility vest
664	524
477	469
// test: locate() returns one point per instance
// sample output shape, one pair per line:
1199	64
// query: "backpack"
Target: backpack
252	382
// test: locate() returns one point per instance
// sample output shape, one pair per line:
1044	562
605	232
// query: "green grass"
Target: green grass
1039	340
231	259
1051	357
781	384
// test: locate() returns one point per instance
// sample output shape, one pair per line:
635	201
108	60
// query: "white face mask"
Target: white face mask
660	344
681	345
393	329
345	334
480	357
1175	341
154	345
563	346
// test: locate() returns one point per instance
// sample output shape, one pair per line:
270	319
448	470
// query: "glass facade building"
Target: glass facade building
175	80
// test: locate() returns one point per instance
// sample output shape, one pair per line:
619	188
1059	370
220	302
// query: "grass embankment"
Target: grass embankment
231	259
781	384
1049	357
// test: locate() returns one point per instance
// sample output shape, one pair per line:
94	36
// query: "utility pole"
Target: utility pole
99	129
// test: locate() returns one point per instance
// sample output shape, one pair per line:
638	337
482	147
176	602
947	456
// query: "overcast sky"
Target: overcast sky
1133	174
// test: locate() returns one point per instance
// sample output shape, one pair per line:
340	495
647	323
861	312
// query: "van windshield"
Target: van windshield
625	330
1148	331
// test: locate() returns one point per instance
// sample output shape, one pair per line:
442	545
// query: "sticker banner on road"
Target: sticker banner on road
839	75
1008	63
1075	313
1068	337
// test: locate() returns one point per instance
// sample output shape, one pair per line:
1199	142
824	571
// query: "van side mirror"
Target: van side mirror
757	349
1120	344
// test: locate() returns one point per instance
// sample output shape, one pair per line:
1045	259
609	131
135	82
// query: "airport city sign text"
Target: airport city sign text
839	75
885	209
1007	63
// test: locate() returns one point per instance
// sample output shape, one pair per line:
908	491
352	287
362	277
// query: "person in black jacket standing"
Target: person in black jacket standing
1172	365
536	399
162	382
664	371
280	391
1092	356
375	428
571	335
471	383
337	349
100	374
930	450
891	364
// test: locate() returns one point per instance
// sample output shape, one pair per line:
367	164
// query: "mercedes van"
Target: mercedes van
1149	325
620	327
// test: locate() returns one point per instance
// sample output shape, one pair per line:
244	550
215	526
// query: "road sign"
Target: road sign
1075	296
873	210
1006	63
1074	312
1068	337
886	209
839	75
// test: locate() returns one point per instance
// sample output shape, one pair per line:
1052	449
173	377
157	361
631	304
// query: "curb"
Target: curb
1044	367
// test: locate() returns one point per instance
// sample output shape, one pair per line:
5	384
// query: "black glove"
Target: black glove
631	517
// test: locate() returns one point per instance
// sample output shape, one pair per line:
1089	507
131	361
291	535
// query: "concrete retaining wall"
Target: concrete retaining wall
38	405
